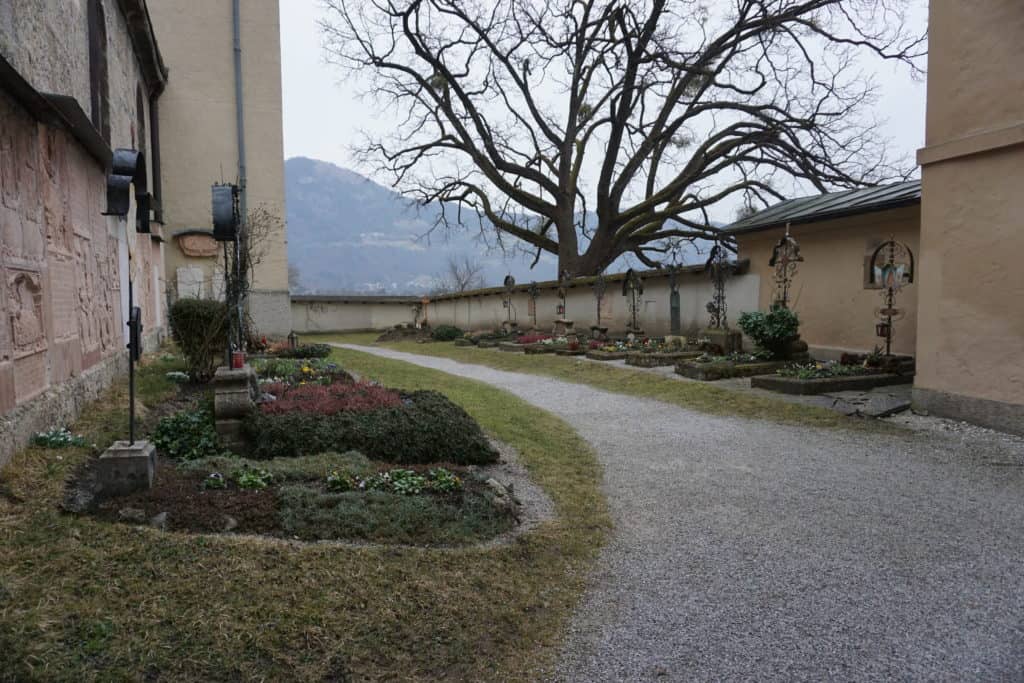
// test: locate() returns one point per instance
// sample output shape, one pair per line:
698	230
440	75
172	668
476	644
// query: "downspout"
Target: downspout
239	105
236	13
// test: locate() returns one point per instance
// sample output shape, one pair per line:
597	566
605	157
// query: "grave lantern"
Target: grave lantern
127	171
293	340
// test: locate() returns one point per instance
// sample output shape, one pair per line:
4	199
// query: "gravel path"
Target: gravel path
745	550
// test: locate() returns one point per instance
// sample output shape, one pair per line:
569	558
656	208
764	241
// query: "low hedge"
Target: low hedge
426	428
446	333
305	351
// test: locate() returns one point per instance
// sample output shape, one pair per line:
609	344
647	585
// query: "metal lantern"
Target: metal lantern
226	212
293	340
883	329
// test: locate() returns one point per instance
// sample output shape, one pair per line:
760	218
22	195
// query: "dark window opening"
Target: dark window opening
154	159
99	80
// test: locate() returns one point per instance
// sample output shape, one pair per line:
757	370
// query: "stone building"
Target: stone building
219	137
77	80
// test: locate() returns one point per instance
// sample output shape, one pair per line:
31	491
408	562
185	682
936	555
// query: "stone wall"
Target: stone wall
64	267
484	309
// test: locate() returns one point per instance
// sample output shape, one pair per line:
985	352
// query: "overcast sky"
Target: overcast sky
323	116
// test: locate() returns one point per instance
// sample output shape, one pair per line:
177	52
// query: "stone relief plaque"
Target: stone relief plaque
25	311
198	245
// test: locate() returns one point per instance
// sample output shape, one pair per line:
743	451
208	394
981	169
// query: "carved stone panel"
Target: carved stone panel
198	245
25	311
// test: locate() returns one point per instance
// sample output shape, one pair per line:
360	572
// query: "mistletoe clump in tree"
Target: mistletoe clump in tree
595	128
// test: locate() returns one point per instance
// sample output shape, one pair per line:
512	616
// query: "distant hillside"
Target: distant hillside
348	234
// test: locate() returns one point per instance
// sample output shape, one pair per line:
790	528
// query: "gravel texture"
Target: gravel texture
746	550
535	506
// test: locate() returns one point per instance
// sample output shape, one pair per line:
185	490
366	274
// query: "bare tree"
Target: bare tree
253	243
508	104
462	274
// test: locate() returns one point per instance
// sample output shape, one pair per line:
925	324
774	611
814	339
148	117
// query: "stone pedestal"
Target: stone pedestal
126	468
234	393
563	328
797	351
726	340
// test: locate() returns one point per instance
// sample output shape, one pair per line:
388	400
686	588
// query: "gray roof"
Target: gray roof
832	205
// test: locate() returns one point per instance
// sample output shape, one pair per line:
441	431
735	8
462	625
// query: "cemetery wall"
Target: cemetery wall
484	308
830	293
316	313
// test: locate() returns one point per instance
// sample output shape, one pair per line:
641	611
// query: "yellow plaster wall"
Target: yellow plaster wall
971	333
198	130
837	313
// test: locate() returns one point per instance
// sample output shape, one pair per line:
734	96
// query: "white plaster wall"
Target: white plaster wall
474	311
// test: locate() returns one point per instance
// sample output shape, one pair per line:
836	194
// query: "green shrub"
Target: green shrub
426	428
388	517
200	326
252	478
188	435
305	351
446	333
772	331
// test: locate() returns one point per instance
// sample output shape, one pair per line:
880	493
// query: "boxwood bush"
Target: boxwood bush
426	428
304	351
772	331
446	333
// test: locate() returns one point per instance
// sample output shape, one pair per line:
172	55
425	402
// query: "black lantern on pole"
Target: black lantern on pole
227	223
293	340
128	170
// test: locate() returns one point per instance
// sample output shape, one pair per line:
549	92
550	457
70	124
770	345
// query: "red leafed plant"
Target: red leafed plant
594	344
533	338
360	397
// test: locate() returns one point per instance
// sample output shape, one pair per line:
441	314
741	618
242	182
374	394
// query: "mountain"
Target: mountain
347	234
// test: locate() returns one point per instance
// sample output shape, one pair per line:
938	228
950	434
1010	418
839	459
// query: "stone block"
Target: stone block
727	340
562	327
234	392
230	433
125	468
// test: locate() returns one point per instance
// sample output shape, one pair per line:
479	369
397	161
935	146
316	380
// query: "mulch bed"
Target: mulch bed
190	508
654	359
710	372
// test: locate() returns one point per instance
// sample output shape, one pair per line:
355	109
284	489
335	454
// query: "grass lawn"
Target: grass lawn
702	397
83	600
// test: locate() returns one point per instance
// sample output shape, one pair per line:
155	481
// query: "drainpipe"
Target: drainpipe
239	105
240	128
